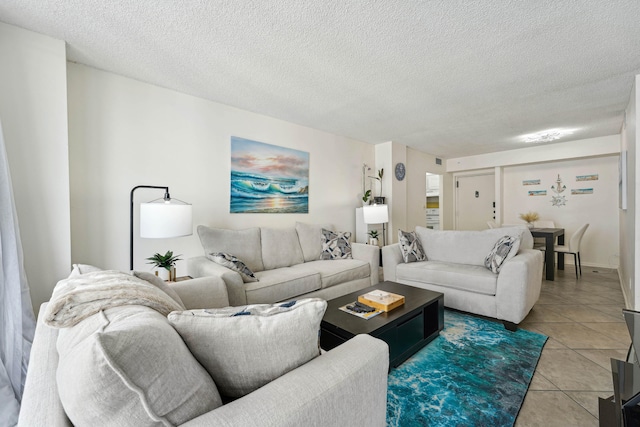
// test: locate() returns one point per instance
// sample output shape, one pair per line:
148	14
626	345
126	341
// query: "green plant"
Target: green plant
366	196
166	261
373	234
379	178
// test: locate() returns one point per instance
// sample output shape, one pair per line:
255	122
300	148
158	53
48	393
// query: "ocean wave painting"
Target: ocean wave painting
267	178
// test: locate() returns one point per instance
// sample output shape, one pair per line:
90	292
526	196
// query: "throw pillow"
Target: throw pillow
244	348
410	246
335	245
234	264
128	366
505	248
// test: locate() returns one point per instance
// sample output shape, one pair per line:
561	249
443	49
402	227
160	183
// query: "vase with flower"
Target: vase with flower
530	218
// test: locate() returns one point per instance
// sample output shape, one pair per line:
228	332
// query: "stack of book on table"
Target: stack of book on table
373	303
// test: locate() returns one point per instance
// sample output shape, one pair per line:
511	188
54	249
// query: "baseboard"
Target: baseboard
627	300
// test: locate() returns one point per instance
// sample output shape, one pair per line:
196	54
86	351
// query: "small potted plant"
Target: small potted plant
165	265
373	237
530	218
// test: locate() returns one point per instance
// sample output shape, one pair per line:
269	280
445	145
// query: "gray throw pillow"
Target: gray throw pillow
410	246
244	348
128	366
233	263
505	248
335	245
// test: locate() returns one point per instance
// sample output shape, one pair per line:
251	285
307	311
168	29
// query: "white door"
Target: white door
475	197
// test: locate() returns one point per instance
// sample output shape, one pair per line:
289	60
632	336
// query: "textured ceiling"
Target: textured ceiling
451	78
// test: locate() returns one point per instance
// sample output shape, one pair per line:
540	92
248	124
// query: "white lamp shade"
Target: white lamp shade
165	219
375	214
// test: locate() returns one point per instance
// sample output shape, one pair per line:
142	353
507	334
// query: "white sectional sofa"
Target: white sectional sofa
321	392
455	267
286	262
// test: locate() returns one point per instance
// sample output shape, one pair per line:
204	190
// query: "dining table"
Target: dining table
550	236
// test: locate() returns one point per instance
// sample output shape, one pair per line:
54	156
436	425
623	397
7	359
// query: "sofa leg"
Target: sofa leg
510	326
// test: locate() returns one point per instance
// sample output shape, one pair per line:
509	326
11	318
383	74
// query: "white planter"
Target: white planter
373	241
163	273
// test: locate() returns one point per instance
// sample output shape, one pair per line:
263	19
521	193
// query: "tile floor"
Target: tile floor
583	320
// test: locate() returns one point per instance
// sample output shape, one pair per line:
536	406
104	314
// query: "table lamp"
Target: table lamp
377	214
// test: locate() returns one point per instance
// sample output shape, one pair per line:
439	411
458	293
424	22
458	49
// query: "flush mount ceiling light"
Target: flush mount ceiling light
547	135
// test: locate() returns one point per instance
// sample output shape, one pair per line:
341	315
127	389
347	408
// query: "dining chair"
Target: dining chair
492	224
574	247
539	242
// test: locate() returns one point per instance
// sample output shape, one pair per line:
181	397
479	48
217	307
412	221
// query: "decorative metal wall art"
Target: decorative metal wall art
558	200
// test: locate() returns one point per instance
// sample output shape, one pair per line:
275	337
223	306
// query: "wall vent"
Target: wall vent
438	161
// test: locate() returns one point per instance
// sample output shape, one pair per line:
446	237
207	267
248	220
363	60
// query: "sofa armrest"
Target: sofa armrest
391	257
202	267
369	253
40	401
519	284
327	391
203	292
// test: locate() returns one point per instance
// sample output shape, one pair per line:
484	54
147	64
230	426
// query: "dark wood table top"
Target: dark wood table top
414	298
541	232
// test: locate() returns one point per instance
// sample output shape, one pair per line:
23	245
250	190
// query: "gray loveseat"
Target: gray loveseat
322	392
286	262
455	267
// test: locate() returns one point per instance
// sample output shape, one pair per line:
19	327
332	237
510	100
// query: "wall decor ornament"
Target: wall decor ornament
531	182
578	191
558	200
537	192
591	177
268	178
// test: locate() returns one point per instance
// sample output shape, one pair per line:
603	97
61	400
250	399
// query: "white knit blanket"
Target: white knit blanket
77	298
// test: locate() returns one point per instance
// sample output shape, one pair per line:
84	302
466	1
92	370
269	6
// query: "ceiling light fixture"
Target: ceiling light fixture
547	135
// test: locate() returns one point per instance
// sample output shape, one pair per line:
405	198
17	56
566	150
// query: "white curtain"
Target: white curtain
17	323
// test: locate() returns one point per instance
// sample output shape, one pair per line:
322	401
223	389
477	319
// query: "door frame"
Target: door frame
457	175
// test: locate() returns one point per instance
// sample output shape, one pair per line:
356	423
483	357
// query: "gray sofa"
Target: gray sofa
455	267
286	262
321	392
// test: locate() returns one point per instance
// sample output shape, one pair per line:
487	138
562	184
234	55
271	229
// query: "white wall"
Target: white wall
33	110
600	245
124	133
630	253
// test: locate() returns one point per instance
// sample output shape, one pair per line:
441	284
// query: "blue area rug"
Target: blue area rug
476	373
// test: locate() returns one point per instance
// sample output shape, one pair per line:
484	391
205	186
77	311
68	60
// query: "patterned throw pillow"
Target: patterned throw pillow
234	264
410	246
335	245
505	248
244	348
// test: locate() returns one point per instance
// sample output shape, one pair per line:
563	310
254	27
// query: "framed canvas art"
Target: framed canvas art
268	178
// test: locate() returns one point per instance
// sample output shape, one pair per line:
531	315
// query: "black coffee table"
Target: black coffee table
406	329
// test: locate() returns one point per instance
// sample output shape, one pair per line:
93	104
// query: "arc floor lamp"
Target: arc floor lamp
160	218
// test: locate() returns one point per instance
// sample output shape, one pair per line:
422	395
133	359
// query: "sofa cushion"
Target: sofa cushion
280	247
310	237
410	246
235	264
337	271
335	244
506	247
244	348
244	244
160	284
462	247
128	366
465	277
281	284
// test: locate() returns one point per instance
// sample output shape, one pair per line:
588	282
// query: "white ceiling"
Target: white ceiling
448	77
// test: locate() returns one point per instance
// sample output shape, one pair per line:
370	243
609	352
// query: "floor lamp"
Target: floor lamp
377	214
161	218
